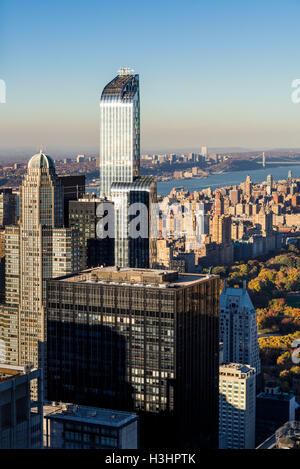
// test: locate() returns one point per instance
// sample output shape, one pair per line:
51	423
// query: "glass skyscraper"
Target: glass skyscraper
134	251
120	179
119	131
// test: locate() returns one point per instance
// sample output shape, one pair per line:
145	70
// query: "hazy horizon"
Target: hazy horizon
22	154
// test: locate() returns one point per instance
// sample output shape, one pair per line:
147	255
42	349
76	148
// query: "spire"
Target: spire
125	71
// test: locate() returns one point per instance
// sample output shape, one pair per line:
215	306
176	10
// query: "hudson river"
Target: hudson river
226	179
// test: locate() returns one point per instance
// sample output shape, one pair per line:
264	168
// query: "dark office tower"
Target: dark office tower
273	409
143	340
74	189
8	207
84	214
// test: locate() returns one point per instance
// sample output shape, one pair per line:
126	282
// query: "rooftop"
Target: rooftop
239	294
84	414
278	396
122	86
40	161
236	369
136	277
7	372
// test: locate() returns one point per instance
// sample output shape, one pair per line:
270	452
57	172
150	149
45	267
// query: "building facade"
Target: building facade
273	409
119	131
74	189
36	249
120	179
135	246
21	419
8	207
139	340
237	407
85	214
238	328
82	427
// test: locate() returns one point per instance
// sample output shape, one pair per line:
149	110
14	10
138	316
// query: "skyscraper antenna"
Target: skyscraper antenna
125	71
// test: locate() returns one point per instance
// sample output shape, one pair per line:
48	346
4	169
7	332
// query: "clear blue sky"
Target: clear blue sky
211	72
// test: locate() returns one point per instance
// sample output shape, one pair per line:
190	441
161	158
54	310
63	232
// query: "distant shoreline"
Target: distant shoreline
230	178
218	179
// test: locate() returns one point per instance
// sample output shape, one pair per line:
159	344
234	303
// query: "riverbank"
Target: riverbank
225	179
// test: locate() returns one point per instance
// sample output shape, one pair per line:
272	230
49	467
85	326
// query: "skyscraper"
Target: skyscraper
238	328
8	207
74	189
8	216
84	215
119	131
36	249
237	407
134	245
41	210
120	179
248	186
138	339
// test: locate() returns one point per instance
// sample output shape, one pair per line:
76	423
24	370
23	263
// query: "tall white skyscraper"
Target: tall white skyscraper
119	163
237	406
238	327
119	131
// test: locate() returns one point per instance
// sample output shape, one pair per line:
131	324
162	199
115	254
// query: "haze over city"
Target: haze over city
207	77
149	228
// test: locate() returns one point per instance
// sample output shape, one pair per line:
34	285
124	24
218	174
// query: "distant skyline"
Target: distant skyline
12	154
212	73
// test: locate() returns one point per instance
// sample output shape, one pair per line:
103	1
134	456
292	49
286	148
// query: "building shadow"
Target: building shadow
87	365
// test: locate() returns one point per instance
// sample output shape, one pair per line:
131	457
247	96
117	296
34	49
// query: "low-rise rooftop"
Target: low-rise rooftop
11	371
136	277
85	414
278	396
236	369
